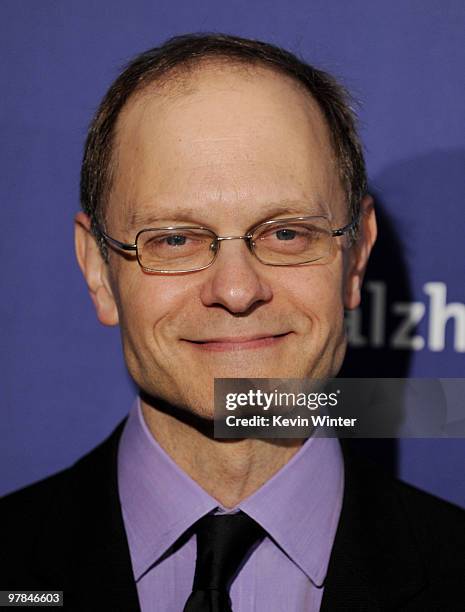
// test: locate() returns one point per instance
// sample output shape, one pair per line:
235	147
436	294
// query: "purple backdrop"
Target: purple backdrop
63	382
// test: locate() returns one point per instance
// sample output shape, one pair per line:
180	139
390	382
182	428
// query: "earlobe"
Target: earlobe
352	296
359	254
95	271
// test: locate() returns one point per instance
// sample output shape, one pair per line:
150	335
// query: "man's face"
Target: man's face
230	150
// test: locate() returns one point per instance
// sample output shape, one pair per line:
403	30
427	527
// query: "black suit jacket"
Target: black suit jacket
396	548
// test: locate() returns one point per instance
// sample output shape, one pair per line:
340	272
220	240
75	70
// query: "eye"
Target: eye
289	234
175	240
286	234
304	241
168	241
163	244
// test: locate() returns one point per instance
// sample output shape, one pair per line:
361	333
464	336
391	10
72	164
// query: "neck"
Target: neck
229	470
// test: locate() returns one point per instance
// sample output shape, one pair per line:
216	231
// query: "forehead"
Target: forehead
225	140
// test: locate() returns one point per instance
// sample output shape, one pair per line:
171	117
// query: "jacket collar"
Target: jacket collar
99	565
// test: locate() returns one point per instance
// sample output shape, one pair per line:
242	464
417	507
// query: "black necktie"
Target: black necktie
223	540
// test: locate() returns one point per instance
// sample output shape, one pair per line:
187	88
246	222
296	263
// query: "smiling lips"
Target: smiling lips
236	343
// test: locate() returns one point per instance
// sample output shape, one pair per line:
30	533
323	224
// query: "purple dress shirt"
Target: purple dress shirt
298	507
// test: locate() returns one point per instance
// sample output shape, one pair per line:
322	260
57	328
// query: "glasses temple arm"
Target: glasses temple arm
122	245
342	230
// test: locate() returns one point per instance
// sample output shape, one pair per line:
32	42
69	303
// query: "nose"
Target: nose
235	280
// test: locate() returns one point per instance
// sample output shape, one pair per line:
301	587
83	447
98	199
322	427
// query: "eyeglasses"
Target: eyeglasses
279	242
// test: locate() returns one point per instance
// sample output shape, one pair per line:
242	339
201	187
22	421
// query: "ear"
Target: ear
95	270
359	253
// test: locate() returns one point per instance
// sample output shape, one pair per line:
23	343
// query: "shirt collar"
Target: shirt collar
299	506
159	501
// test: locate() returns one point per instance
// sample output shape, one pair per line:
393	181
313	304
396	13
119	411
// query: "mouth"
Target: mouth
238	343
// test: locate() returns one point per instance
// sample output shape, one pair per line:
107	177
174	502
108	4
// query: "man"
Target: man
225	229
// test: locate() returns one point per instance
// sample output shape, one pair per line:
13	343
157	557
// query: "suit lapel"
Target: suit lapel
374	563
99	563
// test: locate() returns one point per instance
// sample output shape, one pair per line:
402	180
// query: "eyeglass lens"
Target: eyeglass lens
287	243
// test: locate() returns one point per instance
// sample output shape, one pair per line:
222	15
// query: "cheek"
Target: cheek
148	304
317	293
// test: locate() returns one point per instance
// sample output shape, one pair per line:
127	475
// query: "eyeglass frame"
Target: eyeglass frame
127	246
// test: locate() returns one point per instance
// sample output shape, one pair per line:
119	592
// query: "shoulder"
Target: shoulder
41	499
39	522
376	486
33	501
438	528
412	519
32	530
396	547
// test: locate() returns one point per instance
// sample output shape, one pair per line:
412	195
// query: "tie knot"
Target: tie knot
223	541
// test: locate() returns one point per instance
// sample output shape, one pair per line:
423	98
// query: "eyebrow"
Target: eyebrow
146	218
190	214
